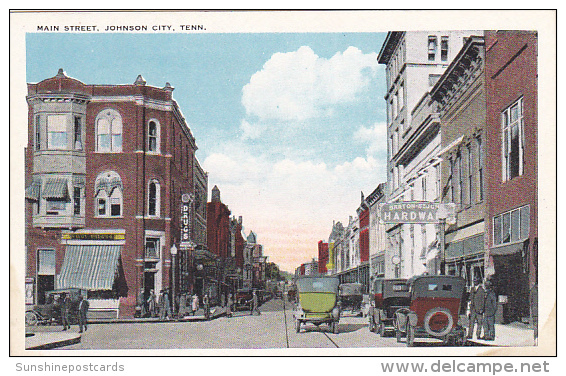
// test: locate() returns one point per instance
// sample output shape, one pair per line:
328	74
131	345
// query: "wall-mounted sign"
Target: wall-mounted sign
185	221
92	236
417	212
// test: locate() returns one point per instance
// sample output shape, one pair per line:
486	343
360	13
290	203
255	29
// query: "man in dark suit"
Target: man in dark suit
83	310
477	306
65	307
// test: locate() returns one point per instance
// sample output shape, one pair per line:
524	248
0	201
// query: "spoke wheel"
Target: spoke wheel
31	319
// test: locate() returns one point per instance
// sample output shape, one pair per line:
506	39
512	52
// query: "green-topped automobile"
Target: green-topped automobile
318	301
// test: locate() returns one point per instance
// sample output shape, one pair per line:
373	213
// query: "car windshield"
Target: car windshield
318	284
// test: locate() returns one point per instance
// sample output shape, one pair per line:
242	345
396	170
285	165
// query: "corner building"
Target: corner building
106	167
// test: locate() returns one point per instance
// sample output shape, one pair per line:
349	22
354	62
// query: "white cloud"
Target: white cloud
300	85
375	137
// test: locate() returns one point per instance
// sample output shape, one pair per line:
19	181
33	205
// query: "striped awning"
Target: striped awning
32	191
89	267
107	184
55	188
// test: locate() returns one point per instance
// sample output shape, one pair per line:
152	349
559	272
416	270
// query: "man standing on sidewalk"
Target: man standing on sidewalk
65	307
477	297
489	312
83	310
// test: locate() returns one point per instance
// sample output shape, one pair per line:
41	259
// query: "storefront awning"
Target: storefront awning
32	191
89	267
55	188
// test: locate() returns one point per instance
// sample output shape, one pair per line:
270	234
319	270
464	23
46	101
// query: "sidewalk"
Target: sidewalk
50	340
510	335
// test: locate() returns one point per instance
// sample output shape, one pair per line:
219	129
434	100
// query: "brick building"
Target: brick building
106	166
511	168
322	257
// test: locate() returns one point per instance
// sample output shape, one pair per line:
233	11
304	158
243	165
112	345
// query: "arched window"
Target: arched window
109	131
153	136
153	201
108	193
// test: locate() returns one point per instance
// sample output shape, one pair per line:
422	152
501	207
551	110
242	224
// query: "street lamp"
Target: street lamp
173	275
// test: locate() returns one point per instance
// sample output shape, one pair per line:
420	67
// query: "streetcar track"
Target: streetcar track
331	340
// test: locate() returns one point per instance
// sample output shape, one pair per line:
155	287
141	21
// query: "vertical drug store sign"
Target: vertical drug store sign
417	212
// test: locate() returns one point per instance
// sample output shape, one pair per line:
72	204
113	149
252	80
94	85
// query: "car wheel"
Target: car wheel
371	325
410	335
31	319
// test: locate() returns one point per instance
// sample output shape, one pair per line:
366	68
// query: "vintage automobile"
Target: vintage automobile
50	312
243	299
318	302
292	293
351	296
387	296
434	310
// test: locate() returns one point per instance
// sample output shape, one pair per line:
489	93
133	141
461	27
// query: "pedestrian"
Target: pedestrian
255	304
182	306
141	310
477	297
65	307
195	304
83	311
206	304
152	303
229	306
164	306
489	312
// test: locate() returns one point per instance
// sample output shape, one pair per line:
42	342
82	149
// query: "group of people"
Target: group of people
482	307
154	305
64	305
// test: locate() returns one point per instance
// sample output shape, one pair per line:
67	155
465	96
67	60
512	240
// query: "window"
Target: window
401	97
152	248
444	48
55	206
460	175
511	226
77	201
153	198
108	195
432	48
423	188
109	131
57	132
78	145
513	140
37	133
153	136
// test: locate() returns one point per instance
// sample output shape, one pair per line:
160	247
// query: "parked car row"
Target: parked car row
426	306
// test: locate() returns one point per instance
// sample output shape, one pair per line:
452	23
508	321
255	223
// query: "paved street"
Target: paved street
274	328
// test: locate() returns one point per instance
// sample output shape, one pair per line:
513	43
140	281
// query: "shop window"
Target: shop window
57	132
480	160
109	131
513	140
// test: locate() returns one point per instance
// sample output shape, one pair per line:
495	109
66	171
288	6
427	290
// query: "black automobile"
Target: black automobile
50	312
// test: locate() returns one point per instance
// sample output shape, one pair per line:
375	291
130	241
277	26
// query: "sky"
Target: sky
289	126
